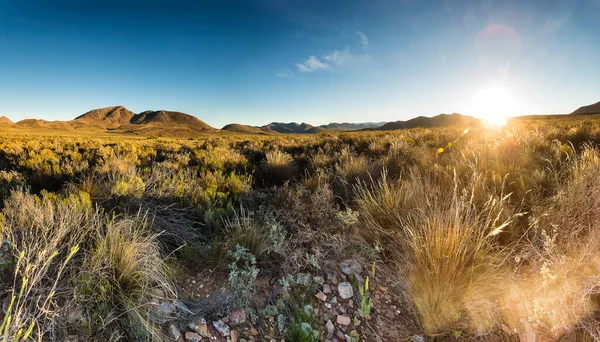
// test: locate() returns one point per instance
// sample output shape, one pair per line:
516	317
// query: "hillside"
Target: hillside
292	127
435	121
239	128
586	110
168	118
6	122
43	124
109	117
348	126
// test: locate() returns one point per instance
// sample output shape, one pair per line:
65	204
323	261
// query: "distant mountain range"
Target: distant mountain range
170	123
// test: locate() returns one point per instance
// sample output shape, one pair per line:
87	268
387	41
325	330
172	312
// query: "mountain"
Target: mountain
43	124
347	126
239	128
586	110
5	122
168	118
292	127
435	121
109	117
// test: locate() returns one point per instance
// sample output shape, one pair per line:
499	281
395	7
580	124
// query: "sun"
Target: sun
493	105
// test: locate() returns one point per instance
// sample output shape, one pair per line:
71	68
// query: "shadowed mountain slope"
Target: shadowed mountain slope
435	121
348	126
239	128
292	127
586	110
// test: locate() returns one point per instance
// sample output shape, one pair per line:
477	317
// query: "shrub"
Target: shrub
124	275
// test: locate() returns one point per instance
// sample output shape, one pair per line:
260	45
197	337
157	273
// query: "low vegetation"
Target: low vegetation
469	233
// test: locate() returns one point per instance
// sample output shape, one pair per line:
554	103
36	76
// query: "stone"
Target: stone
238	317
175	332
303	278
343	320
200	327
330	328
326	289
345	290
221	327
192	337
233	336
322	297
333	300
319	280
253	331
351	267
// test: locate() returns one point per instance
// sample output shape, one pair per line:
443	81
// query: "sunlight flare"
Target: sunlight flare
494	105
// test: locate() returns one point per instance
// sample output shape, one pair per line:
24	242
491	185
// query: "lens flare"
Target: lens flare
494	105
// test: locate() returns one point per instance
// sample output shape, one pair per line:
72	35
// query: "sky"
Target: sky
315	61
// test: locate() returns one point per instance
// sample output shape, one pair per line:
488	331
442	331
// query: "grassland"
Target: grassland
456	233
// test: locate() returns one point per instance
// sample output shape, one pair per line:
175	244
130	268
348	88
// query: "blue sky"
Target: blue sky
314	61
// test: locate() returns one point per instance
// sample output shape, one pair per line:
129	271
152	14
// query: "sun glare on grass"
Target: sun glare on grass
494	105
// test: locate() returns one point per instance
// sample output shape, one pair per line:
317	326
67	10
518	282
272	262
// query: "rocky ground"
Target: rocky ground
349	305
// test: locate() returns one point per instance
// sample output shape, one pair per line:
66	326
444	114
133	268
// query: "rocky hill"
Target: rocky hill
587	110
239	128
109	117
6	122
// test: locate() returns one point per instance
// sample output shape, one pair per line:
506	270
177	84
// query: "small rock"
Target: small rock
221	327
308	309
200	327
321	296
225	319
330	328
253	331
333	300
351	267
238	317
192	337
343	320
326	289
332	278
175	332
319	280
345	290
234	336
303	278
340	335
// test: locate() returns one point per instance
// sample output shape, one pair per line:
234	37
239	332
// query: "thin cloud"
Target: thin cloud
285	73
337	59
312	64
364	40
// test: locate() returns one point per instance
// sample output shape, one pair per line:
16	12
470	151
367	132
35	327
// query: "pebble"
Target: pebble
238	317
326	289
343	320
351	267
192	337
233	336
321	296
221	327
330	328
345	290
